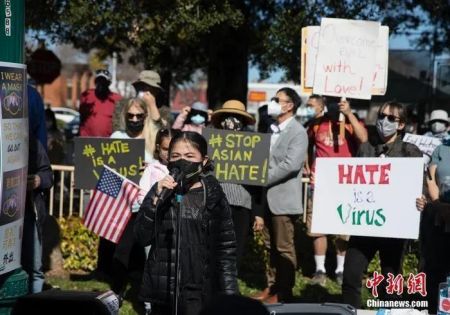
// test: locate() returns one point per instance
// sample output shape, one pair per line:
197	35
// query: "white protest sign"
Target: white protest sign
346	58
425	144
367	196
380	75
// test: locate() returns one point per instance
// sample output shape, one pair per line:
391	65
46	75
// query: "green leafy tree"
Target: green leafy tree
220	37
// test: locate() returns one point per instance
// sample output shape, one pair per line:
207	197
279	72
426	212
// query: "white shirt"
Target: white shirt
277	130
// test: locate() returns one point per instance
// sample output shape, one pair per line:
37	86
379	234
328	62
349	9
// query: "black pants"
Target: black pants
105	256
435	250
191	303
361	251
241	222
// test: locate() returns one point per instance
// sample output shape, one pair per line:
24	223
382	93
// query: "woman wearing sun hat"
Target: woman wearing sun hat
233	116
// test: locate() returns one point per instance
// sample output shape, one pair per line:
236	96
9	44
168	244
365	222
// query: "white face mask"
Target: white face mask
438	127
274	109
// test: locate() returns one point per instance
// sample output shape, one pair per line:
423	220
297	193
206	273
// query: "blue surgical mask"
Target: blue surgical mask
198	119
310	112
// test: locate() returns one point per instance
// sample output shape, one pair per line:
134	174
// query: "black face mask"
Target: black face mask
191	170
135	126
102	88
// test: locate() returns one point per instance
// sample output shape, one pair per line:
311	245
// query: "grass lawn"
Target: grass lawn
304	291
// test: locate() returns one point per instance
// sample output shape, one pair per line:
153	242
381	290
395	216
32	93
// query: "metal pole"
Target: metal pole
179	198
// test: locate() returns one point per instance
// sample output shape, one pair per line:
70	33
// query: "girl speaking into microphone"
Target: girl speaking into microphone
181	278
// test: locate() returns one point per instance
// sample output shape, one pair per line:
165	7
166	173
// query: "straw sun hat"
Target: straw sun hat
232	107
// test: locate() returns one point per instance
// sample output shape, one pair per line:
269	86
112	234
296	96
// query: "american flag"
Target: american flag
109	209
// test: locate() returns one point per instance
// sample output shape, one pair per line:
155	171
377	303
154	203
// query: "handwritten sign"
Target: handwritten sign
309	50
367	196
13	162
124	155
425	144
239	157
346	58
380	75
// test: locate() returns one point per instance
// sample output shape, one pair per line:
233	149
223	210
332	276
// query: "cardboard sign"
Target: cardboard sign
380	75
367	196
310	48
346	58
13	161
425	144
126	156
239	157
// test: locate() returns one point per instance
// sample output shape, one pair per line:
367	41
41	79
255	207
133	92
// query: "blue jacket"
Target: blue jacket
36	116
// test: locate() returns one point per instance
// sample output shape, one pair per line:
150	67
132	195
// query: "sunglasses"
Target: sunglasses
391	118
140	116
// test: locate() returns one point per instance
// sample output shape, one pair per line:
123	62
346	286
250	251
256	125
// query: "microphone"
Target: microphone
177	174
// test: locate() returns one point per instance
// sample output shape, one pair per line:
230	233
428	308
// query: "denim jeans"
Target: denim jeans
32	253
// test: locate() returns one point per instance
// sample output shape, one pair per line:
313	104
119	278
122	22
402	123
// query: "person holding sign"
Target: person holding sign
361	249
330	136
196	204
288	147
233	116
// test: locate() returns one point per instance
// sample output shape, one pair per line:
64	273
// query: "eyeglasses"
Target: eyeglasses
391	118
140	116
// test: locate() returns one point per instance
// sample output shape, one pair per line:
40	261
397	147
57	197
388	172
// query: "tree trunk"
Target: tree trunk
228	65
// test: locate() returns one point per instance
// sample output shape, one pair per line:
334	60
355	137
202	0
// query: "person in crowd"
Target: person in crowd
264	120
148	88
40	179
192	118
435	223
157	170
137	124
315	107
361	249
55	138
97	107
438	124
330	136
233	116
288	147
36	116
207	257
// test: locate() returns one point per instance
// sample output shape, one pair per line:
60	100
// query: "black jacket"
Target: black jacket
215	271
38	164
398	148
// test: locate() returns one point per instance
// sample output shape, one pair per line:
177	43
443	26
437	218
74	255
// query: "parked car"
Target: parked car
69	120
